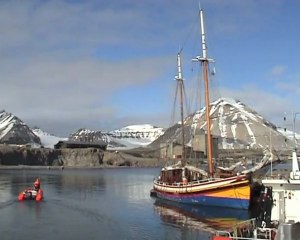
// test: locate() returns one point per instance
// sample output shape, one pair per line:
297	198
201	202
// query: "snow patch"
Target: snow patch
47	139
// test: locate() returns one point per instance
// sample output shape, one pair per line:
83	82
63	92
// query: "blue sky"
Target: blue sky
103	65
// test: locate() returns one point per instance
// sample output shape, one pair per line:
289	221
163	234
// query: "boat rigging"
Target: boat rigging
184	183
205	65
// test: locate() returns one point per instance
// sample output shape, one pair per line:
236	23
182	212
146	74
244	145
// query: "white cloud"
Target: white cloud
72	90
62	62
248	17
277	71
268	104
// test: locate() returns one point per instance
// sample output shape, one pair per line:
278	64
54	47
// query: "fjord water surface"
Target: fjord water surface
92	204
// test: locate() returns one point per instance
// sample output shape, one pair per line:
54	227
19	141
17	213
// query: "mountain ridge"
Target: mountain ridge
234	124
131	136
14	131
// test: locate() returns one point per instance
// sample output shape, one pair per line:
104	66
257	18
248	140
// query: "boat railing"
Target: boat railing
266	236
276	177
243	238
158	181
247	230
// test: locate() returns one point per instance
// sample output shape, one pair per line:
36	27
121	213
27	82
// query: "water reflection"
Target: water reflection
4	194
31	209
88	204
200	217
77	183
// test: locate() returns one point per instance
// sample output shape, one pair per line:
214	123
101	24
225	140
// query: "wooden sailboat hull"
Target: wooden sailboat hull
234	192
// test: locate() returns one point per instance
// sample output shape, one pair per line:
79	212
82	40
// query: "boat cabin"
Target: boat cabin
172	175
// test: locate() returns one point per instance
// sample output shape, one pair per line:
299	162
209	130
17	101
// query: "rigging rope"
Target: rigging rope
174	107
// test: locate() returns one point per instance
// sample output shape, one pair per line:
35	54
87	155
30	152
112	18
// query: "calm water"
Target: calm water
99	204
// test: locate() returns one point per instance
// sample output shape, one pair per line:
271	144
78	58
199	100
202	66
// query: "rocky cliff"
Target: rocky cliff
86	157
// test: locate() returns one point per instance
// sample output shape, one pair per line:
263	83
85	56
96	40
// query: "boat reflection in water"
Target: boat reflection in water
202	217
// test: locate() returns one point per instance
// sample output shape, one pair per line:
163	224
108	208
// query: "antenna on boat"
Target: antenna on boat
295	174
205	62
294	157
179	80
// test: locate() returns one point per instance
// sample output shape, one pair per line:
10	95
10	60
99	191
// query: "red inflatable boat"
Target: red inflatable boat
31	194
35	193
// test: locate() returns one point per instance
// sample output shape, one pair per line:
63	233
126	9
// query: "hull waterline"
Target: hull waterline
233	192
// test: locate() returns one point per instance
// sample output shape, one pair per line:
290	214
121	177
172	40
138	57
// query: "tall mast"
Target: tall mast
179	79
205	64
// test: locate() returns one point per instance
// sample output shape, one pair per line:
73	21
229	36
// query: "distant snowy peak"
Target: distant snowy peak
83	131
7	121
236	108
86	135
125	138
139	127
144	131
227	108
14	131
239	112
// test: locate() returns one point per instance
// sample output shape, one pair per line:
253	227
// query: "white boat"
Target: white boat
283	222
286	200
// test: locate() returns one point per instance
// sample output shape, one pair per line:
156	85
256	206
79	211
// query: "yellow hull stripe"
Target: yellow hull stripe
236	189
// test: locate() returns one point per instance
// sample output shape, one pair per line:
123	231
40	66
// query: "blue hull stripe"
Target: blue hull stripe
206	200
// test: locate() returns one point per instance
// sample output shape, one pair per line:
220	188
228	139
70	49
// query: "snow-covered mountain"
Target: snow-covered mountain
14	131
125	138
234	124
239	126
47	140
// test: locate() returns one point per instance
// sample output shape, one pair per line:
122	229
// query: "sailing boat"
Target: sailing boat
187	184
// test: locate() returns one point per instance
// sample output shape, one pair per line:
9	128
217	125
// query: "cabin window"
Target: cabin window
171	176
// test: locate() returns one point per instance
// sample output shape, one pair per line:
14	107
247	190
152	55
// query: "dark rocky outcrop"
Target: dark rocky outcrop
14	155
83	157
132	158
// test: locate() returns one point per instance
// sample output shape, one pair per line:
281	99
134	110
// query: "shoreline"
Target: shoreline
61	168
